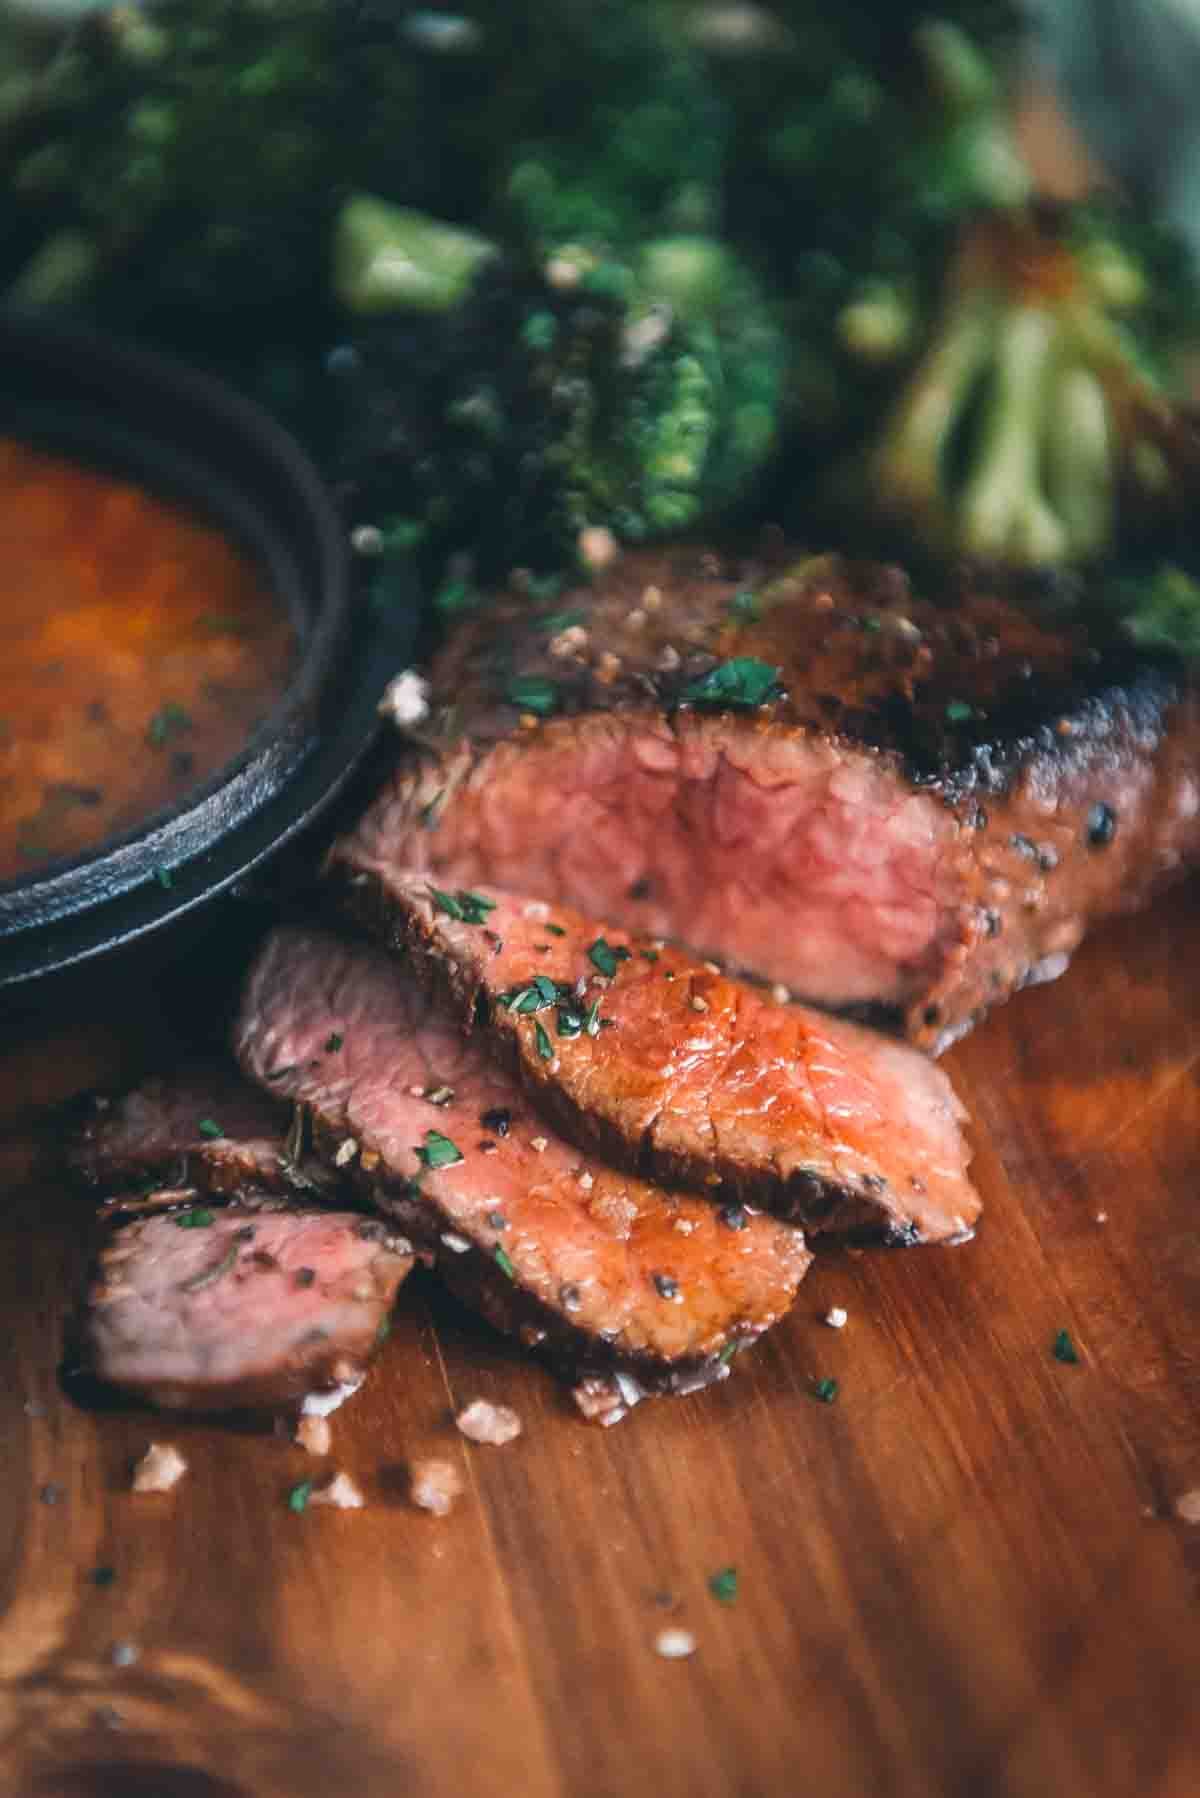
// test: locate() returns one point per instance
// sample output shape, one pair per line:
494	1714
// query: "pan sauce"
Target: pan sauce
141	648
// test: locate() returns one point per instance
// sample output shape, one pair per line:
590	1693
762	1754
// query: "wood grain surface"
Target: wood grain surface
966	1576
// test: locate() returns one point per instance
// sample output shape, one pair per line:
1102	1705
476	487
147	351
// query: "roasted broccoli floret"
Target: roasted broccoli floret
1034	425
507	409
193	154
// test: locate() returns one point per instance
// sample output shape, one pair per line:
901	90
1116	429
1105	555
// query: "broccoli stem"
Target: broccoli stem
1079	460
910	463
1004	515
391	259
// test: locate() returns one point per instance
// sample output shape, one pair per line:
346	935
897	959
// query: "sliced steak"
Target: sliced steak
602	1273
235	1309
926	811
667	1067
204	1125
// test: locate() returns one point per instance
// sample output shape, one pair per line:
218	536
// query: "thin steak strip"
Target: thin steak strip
602	1273
665	1066
925	813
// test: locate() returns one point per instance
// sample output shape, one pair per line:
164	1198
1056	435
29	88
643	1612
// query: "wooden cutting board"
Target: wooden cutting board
967	1575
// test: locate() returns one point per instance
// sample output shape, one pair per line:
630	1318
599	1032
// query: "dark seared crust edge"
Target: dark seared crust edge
817	1205
572	1354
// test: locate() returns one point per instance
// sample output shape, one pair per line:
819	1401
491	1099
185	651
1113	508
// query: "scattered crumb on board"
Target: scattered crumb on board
434	1485
161	1467
484	1422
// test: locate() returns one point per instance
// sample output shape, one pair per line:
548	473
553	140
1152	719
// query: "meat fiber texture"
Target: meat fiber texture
667	1067
605	1275
232	1308
924	813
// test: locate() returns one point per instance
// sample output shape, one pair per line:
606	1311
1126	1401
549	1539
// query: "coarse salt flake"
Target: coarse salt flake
341	1492
836	1317
405	699
161	1467
481	1421
675	1644
347	1150
434	1485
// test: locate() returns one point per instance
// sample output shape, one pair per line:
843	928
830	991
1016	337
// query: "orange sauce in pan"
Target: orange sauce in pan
139	649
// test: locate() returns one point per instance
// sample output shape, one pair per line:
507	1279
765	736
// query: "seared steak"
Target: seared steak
204	1125
667	1067
234	1308
924	812
602	1273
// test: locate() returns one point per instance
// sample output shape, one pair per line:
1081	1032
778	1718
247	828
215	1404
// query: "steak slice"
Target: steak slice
204	1125
242	1309
925	813
605	1275
665	1066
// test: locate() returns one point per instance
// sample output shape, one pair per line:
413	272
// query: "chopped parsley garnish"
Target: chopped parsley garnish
825	1391
737	685
209	1275
872	622
724	1585
169	721
570	1023
728	1352
605	956
466	907
545	1047
1064	1349
333	1042
561	621
503	1262
384	1330
429	812
592	1022
195	1219
299	1496
438	1151
210	1128
556	930
165	878
745	604
959	712
102	1576
541	992
533	693
649	954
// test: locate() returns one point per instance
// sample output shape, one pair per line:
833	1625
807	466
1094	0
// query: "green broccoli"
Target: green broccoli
509	414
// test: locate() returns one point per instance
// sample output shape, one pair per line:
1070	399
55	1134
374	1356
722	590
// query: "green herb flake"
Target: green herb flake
195	1219
592	1022
446	902
873	623
429	812
103	1576
745	605
208	1276
533	693
561	621
570	1023
545	1047
825	1391
464	906
169	721
438	1151
209	1127
738	685
649	954
383	1331
606	957
1064	1349
556	930
728	1352
299	1496
333	1042
724	1585
165	878
503	1262
959	712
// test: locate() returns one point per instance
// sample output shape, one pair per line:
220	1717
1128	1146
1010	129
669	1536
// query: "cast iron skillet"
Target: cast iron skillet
67	388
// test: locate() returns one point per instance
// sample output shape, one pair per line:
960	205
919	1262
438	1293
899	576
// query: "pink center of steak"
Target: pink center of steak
409	1099
252	1298
714	832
